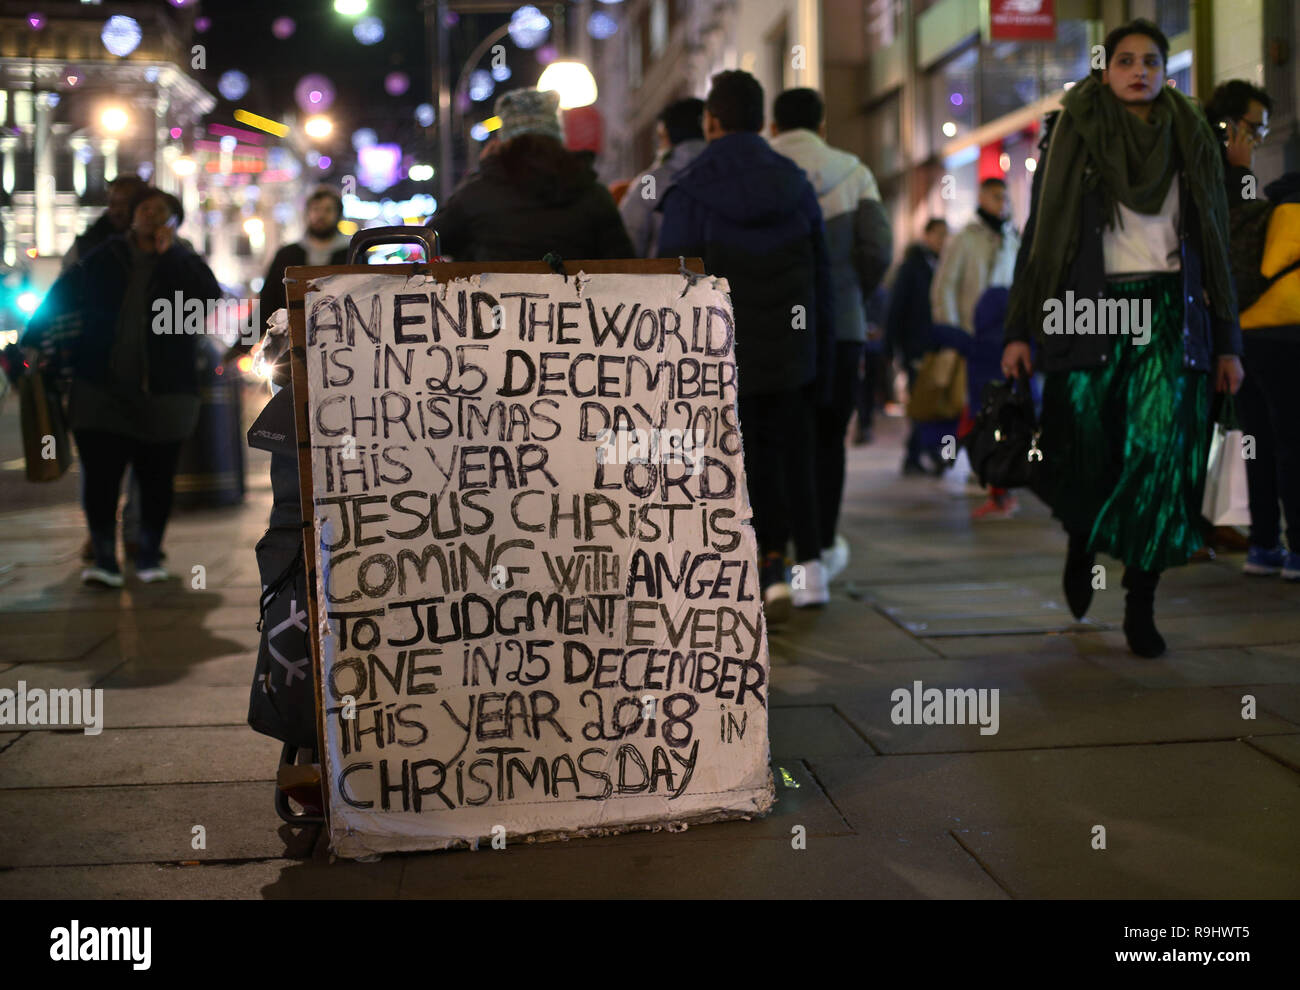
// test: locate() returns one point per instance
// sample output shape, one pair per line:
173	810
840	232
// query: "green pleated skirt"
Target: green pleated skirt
1125	445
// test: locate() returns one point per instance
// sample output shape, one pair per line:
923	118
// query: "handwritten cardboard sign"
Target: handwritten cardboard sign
539	609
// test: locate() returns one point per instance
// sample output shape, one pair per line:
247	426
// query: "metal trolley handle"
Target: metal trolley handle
363	240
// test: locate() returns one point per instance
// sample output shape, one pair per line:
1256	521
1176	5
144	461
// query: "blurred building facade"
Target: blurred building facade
920	90
73	116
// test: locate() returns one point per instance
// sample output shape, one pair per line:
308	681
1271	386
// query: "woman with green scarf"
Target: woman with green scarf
1123	278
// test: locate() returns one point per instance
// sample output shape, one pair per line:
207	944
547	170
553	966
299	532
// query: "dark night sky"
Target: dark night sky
240	38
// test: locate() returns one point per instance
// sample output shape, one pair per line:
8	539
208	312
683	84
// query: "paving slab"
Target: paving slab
1120	715
971	608
62	642
895	867
813	731
70	826
1081	641
207	692
1083	785
201	754
1190	632
1285	749
1281	700
176	648
272	878
1213	666
844	629
1184	858
84	673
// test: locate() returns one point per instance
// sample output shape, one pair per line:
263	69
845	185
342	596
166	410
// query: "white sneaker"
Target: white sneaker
97	575
808	584
776	603
152	575
836	557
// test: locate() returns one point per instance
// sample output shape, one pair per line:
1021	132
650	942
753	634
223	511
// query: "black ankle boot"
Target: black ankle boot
1077	580
1139	608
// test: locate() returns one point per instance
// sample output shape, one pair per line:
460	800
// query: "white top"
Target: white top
1146	242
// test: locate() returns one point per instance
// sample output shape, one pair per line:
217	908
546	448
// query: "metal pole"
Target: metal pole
442	87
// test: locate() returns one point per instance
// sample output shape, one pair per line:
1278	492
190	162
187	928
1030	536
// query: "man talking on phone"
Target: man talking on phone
135	388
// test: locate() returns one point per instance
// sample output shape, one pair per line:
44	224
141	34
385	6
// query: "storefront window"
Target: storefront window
953	95
1015	74
1010	78
884	153
1067	60
1173	17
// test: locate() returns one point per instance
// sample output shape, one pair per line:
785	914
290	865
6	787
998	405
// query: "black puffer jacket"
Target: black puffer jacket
528	199
1205	336
753	217
96	286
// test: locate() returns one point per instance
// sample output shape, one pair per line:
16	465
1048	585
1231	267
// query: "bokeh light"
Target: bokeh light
368	30
601	26
480	85
314	93
233	85
121	35
529	27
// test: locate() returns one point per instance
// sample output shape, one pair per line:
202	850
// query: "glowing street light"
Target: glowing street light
350	8
572	80
318	127
113	119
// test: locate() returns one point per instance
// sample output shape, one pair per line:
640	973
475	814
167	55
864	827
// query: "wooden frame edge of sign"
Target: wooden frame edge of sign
297	281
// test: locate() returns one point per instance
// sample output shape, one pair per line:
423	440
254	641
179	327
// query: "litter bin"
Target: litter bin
210	472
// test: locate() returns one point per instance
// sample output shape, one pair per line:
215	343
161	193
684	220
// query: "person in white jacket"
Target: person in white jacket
859	243
981	255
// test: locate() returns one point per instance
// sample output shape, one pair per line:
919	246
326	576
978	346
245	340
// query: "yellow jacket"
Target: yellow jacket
1279	306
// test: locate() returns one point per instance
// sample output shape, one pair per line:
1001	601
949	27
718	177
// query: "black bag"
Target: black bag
282	702
1003	444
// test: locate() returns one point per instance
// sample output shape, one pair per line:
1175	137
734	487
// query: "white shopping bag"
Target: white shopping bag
1227	497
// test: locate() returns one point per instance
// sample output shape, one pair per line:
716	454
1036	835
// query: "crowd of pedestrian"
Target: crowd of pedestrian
1140	196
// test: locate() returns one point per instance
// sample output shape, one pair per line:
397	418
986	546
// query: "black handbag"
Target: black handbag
1003	443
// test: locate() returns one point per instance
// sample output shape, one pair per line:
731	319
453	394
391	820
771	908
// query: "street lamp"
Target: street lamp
318	127
572	80
350	8
113	119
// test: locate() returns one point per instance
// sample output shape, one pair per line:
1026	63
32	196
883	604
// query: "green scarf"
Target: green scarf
1134	163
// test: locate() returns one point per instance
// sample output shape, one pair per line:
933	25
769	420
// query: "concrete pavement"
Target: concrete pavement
1195	800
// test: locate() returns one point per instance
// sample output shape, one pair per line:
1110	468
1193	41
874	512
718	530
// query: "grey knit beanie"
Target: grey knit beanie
527	111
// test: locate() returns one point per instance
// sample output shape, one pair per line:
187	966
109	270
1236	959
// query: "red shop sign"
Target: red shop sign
1021	20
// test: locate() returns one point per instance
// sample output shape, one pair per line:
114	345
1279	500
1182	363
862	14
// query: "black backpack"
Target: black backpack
282	702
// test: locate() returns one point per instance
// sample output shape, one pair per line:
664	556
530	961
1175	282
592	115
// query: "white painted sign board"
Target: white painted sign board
538	597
